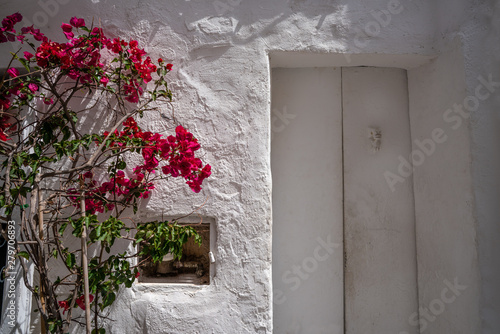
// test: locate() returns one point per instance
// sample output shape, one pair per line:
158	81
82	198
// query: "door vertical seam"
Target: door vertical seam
414	204
344	262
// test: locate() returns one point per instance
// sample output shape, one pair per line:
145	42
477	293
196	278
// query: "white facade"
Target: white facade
223	53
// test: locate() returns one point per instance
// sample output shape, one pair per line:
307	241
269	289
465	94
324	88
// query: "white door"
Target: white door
306	162
343	243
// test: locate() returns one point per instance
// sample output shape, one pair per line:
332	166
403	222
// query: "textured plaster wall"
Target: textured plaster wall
222	91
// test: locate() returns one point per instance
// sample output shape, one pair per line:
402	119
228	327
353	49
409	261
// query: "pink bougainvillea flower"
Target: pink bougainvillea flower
33	87
69	35
7	32
130	125
76	22
16	89
13	72
137	274
133	93
73	74
86	79
35	32
9	22
115	45
64	304
4	104
27	55
104	81
145	69
97	31
80	301
66	27
134	51
48	101
5	125
206	171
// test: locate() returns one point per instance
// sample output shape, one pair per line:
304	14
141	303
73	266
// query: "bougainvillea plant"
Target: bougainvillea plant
68	131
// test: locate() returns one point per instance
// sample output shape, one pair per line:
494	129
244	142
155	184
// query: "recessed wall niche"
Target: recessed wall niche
197	264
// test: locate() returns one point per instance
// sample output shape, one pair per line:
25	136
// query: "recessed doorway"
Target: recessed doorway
344	255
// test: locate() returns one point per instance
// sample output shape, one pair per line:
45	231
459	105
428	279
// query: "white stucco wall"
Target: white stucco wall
220	50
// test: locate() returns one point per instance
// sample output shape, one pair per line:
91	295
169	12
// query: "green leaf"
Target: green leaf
66	133
77	227
24	254
71	260
25	63
24	191
87	220
38	150
100	331
109	299
63	227
19	160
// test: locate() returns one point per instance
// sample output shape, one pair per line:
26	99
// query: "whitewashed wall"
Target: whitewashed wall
221	51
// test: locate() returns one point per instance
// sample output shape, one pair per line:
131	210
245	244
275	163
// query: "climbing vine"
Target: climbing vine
68	131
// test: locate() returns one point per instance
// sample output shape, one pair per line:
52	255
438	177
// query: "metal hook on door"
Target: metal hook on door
375	136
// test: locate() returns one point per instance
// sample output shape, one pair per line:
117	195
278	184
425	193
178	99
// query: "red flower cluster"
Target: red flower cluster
132	91
21	90
135	53
182	160
65	305
116	45
145	69
5	126
35	32
80	301
175	153
80	57
98	197
7	32
178	152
